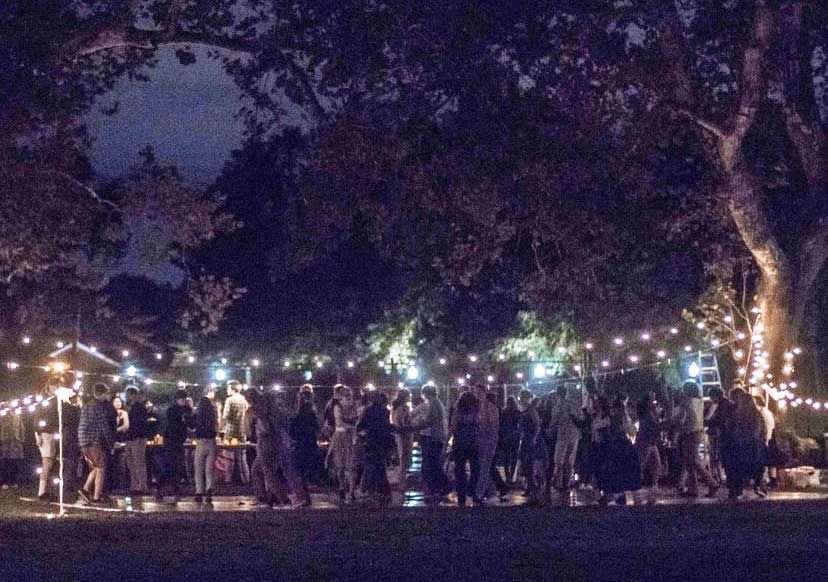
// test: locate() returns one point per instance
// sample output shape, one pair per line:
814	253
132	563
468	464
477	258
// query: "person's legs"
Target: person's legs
699	467
210	468
429	464
257	477
46	470
474	462
500	484
460	484
199	463
240	457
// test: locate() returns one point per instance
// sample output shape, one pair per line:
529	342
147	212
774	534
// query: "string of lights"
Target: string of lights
618	355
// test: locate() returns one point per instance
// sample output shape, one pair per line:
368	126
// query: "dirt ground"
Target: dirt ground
744	541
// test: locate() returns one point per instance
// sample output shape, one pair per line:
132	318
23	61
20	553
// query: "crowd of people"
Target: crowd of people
483	446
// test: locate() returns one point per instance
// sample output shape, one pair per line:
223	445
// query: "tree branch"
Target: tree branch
711	127
131	37
81	186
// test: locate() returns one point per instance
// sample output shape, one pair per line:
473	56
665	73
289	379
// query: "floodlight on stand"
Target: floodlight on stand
539	371
693	370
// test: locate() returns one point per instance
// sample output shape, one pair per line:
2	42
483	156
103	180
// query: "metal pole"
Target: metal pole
60	452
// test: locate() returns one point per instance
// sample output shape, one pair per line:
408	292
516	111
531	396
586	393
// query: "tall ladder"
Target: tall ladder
709	372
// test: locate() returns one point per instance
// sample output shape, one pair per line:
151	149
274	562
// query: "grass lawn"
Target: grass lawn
750	541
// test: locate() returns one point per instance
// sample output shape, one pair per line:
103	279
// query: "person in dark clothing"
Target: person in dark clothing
135	449
532	444
746	429
379	442
464	426
494	473
304	431
619	470
721	423
205	427
71	413
509	438
175	434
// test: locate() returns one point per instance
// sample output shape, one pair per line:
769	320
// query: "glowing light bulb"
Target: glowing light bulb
319	364
741	335
12	365
224	361
27	340
561	350
738	354
255	363
728	319
519	375
93	349
577	368
605	364
797	351
159	356
589	346
191	359
148	381
350	364
700	325
501	357
645	337
661	354
619	341
442	361
461	381
60	345
490	379
715	343
125	353
634	359
472	358
674	330
220	375
287	364
131	371
688	349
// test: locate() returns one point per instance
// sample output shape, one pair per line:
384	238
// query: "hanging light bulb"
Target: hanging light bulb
661	354
605	364
645	337
619	341
674	330
350	364
634	359
688	349
125	353
159	356
501	357
472	358
255	362
589	345
728	319
191	359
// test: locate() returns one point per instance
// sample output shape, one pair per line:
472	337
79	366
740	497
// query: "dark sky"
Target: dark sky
187	113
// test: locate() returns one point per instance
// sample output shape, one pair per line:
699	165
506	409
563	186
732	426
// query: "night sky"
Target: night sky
187	114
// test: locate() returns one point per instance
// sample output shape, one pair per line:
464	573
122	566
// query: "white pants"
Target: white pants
204	462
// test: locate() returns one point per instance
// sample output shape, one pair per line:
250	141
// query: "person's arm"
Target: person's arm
125	426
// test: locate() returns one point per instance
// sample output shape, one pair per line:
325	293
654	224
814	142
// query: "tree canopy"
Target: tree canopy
599	163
